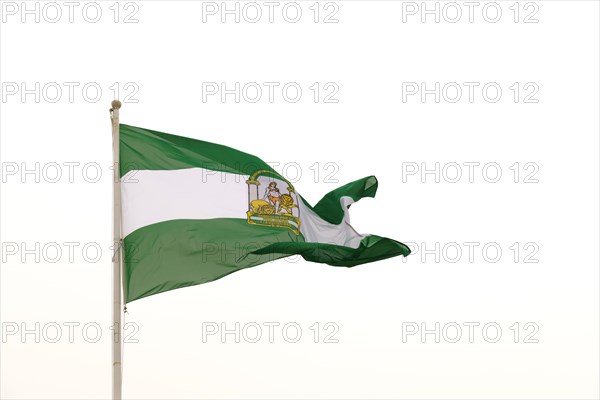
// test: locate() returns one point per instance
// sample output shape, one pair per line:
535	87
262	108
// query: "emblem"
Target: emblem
272	201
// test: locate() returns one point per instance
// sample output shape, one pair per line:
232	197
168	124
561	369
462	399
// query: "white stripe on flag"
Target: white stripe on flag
150	197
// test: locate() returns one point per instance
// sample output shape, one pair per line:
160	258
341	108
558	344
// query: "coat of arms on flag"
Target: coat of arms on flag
271	206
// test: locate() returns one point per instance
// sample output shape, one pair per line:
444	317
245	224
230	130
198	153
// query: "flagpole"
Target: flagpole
117	366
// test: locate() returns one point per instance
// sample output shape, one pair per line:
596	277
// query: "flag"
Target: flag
194	212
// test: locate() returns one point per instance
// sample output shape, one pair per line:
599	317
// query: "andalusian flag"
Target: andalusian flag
194	211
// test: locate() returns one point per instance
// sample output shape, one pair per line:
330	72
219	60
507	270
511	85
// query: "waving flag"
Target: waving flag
193	212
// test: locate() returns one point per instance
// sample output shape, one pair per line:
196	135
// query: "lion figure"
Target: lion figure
262	207
285	206
286	202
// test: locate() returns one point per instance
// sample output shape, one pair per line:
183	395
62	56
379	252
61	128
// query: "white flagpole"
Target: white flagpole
117	367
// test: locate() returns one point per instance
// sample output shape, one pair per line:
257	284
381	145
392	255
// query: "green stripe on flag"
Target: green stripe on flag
179	253
145	149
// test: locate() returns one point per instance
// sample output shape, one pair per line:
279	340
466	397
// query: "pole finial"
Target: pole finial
116	104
